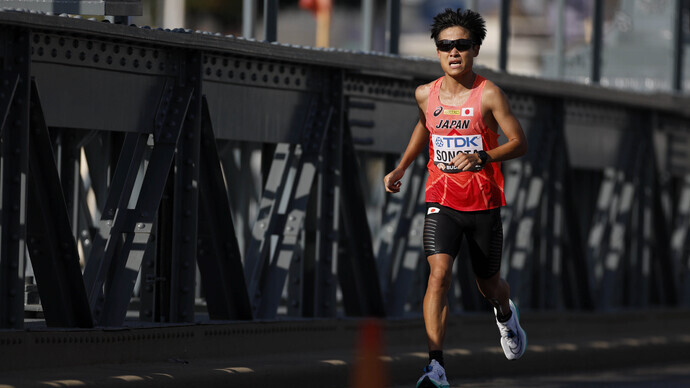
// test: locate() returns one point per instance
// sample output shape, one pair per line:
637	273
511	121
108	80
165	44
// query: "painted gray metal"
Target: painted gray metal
15	168
244	158
50	241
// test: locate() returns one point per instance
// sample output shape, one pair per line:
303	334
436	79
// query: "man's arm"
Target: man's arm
418	142
495	102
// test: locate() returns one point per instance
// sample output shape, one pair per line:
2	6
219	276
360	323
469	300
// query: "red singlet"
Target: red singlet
454	129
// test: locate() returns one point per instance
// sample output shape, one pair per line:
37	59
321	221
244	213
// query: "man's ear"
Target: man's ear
475	48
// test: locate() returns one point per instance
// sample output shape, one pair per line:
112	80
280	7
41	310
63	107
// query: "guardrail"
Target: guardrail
132	156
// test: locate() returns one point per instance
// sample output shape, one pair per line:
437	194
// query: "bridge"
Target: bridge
166	190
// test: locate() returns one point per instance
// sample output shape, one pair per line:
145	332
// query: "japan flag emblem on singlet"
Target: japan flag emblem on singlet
433	210
467	112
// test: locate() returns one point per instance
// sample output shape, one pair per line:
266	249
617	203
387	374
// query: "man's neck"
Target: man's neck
459	84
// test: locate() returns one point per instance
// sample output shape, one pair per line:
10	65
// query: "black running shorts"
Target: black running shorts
444	228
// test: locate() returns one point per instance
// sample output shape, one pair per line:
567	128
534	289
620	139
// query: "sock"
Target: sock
436	355
503	318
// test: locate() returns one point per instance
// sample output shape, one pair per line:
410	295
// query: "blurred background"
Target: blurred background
637	39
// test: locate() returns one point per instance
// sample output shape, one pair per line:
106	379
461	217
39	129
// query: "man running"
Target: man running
459	116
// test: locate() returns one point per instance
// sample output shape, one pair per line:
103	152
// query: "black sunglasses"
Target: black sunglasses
460	44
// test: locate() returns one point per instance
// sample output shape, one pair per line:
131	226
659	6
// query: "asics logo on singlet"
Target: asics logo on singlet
438	111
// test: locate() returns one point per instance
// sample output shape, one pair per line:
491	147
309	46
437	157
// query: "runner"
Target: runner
459	116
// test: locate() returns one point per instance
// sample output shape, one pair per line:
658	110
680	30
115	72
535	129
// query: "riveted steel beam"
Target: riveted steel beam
15	167
399	244
51	244
356	265
290	210
608	239
680	239
328	212
129	215
218	252
186	195
260	95
523	220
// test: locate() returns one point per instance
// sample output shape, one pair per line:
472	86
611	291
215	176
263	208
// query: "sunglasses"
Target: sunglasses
460	44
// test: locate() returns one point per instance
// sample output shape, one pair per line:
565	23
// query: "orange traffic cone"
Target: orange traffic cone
369	370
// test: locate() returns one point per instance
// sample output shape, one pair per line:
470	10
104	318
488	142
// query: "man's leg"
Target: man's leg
497	292
513	337
436	299
486	246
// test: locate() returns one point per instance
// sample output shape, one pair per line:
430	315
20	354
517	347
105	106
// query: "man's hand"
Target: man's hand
467	162
392	180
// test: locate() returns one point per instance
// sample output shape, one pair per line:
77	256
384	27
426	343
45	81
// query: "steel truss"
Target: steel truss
181	173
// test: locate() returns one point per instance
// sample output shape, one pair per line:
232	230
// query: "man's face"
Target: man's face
456	62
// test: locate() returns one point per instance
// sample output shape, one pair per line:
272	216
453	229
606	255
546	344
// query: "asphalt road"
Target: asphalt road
666	376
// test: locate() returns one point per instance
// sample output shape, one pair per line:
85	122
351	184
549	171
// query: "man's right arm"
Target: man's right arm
418	142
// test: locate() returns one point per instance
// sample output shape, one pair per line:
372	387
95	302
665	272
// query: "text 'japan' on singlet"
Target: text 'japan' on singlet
456	129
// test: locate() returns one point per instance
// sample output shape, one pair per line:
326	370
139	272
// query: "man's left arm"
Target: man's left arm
516	146
495	102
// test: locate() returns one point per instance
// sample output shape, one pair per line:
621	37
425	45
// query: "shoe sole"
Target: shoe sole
524	335
427	383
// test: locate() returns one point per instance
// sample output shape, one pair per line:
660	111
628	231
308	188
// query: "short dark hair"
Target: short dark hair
468	19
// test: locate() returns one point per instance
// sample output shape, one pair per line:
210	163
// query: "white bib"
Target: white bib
446	147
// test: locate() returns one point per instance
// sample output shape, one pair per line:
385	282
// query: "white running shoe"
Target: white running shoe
434	376
513	338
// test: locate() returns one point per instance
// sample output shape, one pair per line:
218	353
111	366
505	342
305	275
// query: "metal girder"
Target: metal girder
539	218
282	211
680	240
655	251
67	146
218	252
266	223
357	270
237	158
608	238
124	177
271	88
127	217
522	220
627	267
186	194
14	169
9	82
569	242
51	244
328	214
370	99
399	244
278	92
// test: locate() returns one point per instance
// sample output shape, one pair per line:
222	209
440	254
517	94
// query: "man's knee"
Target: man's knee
439	280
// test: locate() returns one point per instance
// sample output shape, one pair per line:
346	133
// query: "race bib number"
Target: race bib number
446	147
